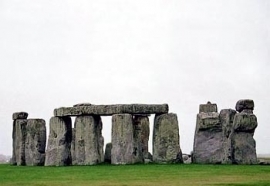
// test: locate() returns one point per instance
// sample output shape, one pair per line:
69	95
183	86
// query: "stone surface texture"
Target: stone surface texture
35	142
13	157
72	147
106	110
226	119
108	152
126	148
21	131
88	140
141	123
244	104
58	151
208	107
243	143
82	104
19	115
208	140
166	146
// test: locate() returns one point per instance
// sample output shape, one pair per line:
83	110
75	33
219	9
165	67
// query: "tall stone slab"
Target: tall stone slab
125	138
72	147
88	140
58	151
35	142
20	133
208	140
141	124
166	148
16	116
243	143
226	118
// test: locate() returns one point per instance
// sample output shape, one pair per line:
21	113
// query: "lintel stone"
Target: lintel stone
107	110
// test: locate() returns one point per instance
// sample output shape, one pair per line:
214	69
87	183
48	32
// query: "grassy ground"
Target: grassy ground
135	175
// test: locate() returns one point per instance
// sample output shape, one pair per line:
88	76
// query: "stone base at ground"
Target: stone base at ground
166	146
35	142
88	140
243	143
124	143
58	151
208	141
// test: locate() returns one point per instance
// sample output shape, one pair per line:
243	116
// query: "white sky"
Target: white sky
180	52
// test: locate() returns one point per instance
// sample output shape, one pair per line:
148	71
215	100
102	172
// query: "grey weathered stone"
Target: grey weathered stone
35	142
208	107
142	124
208	140
166	146
88	140
106	110
108	151
72	147
21	131
58	151
19	115
243	143
244	104
126	148
226	119
82	104
13	158
245	122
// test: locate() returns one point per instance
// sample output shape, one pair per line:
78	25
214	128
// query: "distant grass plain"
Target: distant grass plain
135	175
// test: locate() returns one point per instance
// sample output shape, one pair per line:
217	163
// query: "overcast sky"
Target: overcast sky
180	52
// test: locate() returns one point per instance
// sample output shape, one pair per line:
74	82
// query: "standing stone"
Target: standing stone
73	155
208	107
141	122
19	115
226	119
88	140
59	142
166	148
13	158
244	104
20	140
125	147
243	144
108	152
208	140
35	142
16	116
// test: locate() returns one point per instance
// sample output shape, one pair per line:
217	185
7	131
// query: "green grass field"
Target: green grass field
131	175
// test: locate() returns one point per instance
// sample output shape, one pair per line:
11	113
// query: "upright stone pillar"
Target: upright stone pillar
72	148
88	140
244	125
226	119
16	116
59	143
166	148
21	132
125	146
208	139
35	142
141	122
